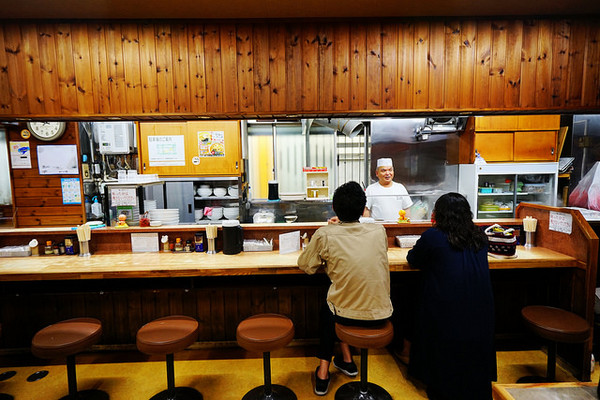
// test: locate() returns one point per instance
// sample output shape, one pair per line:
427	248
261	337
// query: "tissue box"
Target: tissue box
257	245
407	240
15	251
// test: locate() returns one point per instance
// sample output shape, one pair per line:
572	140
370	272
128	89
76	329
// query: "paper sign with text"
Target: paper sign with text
561	222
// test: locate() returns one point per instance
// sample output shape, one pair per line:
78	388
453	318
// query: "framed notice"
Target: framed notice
57	159
167	150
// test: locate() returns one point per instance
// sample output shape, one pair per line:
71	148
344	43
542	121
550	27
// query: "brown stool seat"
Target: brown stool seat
555	324
265	332
167	335
366	338
66	338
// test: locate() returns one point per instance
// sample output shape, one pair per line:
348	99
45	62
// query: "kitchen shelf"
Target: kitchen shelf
217	198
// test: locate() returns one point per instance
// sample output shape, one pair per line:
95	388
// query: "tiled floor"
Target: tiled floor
228	373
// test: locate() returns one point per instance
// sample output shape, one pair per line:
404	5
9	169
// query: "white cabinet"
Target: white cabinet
495	190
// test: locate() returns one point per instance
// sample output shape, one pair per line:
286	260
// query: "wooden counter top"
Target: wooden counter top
148	265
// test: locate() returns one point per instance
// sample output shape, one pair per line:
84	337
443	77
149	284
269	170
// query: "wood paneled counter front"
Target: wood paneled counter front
153	265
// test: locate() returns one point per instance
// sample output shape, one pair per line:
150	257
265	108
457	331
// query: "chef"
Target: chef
386	198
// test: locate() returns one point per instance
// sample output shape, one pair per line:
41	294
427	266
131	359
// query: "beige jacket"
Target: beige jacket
354	256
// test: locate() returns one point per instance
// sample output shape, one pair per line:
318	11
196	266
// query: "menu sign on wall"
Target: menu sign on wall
166	150
211	143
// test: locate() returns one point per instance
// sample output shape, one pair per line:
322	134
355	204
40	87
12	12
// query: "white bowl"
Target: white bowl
290	218
204	192
217	213
155	222
220	191
233	191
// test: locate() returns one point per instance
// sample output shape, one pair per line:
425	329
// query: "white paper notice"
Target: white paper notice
560	222
123	197
289	242
144	242
166	150
20	154
57	160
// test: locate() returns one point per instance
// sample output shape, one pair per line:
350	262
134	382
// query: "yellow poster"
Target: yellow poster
211	143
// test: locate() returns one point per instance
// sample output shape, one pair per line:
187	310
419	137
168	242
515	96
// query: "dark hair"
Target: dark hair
453	216
349	201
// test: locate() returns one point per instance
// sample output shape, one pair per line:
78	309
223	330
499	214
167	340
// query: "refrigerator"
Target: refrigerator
495	190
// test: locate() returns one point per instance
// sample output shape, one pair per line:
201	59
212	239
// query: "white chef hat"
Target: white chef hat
384	162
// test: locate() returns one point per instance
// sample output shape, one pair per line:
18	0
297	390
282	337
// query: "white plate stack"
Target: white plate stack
168	216
149	205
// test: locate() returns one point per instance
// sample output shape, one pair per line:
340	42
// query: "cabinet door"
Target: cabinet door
495	146
162	148
214	148
496	123
535	146
538	122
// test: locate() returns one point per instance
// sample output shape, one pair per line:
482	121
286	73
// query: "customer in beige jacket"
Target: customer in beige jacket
354	256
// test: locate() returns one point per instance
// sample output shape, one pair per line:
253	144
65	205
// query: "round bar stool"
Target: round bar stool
166	336
555	326
66	339
4	376
263	333
364	339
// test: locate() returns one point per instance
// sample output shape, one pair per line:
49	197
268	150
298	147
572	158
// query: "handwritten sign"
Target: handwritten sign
123	197
561	222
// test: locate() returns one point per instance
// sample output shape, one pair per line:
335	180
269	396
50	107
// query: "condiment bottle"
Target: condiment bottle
48	248
61	248
188	246
69	249
178	245
199	242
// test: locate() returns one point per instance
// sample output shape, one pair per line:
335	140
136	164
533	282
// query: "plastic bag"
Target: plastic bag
587	192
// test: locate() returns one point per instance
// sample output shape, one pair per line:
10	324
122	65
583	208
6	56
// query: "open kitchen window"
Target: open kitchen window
279	150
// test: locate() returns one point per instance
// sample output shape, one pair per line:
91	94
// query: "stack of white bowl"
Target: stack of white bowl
217	213
204	191
149	205
198	215
220	191
231	212
233	191
168	216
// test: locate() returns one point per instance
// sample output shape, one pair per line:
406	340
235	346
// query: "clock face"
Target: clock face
47	131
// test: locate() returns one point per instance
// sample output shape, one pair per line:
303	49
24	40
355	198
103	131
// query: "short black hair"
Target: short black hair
349	201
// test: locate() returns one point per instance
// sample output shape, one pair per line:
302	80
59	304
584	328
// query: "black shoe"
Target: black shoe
348	368
321	385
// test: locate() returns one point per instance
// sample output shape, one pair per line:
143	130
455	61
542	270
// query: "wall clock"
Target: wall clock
47	131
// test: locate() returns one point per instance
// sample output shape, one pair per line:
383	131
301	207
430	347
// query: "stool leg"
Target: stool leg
364	353
71	376
551	366
267	372
170	375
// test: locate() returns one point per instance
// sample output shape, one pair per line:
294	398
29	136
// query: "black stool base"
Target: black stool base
351	391
91	394
4	396
7	375
181	393
278	392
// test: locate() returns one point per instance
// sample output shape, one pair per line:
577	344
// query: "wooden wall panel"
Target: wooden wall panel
277	67
78	70
38	198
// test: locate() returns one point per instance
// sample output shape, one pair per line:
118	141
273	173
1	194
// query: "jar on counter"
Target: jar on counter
61	248
48	248
188	246
178	245
199	242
